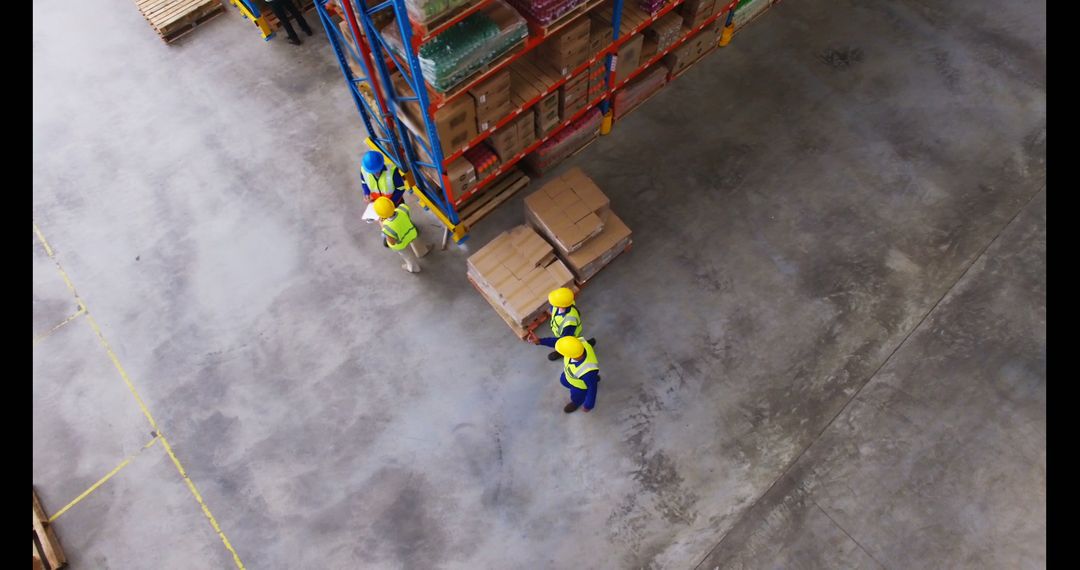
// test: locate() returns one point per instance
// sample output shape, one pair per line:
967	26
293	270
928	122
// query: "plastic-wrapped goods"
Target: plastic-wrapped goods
455	54
483	159
651	6
424	11
544	12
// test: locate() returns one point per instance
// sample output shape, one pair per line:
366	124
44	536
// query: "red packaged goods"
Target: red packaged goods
482	158
565	142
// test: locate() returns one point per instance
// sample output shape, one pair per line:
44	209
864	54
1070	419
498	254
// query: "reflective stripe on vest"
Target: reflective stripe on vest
384	184
400	227
574	372
571	318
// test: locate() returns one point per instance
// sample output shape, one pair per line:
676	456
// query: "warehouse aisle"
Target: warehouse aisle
831	218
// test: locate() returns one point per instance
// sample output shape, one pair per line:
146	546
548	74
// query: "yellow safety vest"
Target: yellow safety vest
571	318
399	227
574	372
383	185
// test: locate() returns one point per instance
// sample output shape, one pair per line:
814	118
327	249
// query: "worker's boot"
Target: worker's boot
554	355
592	342
570	407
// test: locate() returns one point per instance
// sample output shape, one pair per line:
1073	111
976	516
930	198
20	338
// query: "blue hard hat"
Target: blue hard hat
373	161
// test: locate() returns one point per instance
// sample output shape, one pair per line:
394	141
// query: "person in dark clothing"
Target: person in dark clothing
280	8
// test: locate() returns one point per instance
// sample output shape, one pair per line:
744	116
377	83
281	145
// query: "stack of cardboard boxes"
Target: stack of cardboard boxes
660	35
628	58
515	272
455	122
574	215
492	99
694	48
514	136
695	12
568	48
573	95
547	114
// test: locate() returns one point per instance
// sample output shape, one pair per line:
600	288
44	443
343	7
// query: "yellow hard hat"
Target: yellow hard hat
569	346
384	208
561	297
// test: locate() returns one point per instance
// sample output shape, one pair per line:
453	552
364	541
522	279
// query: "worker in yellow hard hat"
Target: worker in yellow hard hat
400	233
581	372
565	319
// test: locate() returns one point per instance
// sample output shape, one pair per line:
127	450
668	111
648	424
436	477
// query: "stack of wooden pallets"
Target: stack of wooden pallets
173	19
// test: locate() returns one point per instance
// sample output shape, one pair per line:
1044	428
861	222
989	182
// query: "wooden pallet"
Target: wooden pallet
537	30
47	552
174	19
496	193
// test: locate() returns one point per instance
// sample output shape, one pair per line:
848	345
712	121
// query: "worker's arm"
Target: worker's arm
550	342
591	380
367	191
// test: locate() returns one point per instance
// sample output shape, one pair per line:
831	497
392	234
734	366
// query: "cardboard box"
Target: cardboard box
547	114
568	48
689	52
455	123
568	210
600	35
492	91
599	251
493	116
629	57
516	271
694	12
665	31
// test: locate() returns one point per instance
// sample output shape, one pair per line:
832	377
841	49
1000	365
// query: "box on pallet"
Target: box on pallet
694	12
600	250
547	114
516	271
629	57
513	137
747	10
568	210
461	173
455	122
600	33
665	31
693	49
565	198
492	99
568	48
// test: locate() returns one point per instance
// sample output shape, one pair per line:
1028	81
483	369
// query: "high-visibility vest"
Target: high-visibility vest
383	185
400	227
574	372
571	318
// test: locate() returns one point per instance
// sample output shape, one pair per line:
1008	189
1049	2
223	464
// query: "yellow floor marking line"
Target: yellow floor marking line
139	400
102	481
46	334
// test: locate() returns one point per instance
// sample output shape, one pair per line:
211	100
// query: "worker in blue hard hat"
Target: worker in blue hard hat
381	179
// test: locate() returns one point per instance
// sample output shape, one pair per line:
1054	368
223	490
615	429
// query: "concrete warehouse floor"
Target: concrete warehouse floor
827	348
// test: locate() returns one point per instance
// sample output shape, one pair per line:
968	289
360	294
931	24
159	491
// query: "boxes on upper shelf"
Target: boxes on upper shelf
568	48
492	99
629	57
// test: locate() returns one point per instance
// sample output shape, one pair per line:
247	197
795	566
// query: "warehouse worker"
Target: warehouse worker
581	372
381	179
400	234
280	7
565	319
